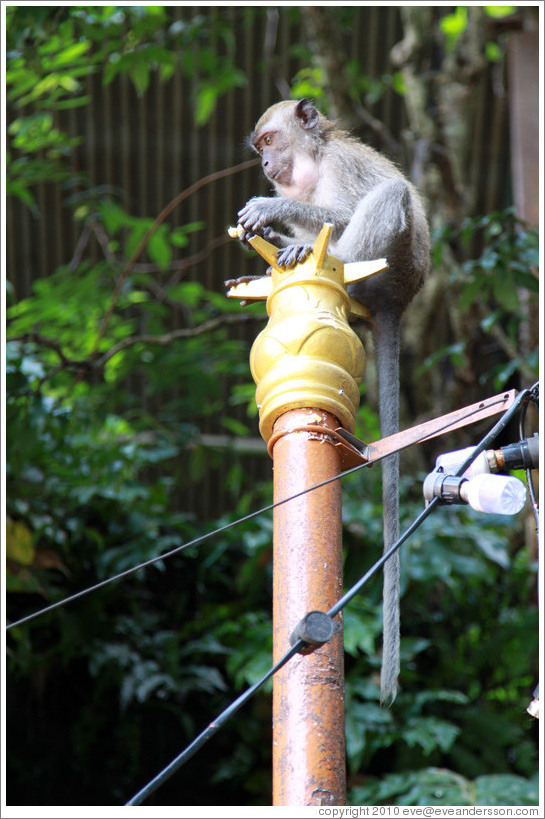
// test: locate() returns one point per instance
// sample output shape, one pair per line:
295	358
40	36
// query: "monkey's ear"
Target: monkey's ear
306	114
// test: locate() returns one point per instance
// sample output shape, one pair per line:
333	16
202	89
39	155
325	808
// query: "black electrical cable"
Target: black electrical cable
522	435
198	540
211	729
216	724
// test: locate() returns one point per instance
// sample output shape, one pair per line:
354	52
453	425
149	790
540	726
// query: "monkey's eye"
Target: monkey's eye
267	139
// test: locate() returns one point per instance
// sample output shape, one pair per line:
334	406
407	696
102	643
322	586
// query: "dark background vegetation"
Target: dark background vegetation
131	425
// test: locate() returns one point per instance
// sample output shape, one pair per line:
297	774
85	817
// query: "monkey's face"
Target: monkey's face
276	159
285	139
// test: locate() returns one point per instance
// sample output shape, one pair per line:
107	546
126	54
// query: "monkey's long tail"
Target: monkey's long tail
387	354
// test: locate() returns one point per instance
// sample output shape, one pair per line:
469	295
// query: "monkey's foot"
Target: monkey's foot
240	280
293	254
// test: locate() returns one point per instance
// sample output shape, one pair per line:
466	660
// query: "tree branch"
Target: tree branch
92	363
167	210
186	332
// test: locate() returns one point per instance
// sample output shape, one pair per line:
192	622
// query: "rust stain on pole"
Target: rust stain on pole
308	693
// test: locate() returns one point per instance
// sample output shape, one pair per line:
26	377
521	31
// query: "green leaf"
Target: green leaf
506	789
206	101
505	291
179	236
140	75
497	12
159	248
69	56
427	786
113	216
139	228
360	631
235	426
453	25
19	545
398	83
478	287
493	52
430	733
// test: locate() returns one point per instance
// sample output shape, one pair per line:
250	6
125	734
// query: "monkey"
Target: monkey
321	173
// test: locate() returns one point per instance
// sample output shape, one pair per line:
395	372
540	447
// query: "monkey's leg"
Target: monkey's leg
377	223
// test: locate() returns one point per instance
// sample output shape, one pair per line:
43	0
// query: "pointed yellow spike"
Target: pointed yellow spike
358	310
355	271
264	248
319	249
255	289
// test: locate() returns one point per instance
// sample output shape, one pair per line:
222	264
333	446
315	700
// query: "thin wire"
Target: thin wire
220	530
216	724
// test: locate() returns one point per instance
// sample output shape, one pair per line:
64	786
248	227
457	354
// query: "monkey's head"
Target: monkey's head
288	137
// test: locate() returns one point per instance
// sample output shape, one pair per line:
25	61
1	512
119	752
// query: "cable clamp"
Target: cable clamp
315	629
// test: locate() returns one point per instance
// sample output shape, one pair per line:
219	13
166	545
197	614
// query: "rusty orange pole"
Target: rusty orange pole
307	364
308	693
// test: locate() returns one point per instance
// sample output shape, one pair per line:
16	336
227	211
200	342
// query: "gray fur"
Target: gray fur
322	174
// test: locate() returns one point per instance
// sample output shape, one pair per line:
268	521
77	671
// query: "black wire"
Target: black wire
202	538
211	729
484	444
522	435
216	724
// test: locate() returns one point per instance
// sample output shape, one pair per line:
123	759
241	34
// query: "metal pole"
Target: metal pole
308	693
307	364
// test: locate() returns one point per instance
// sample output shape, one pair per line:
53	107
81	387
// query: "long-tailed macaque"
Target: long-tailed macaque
323	174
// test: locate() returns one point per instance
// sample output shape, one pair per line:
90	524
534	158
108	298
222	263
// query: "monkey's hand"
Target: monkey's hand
244	236
259	213
293	254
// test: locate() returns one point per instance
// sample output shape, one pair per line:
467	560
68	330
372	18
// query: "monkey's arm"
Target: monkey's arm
263	211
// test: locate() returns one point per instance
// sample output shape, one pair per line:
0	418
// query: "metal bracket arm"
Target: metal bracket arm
355	452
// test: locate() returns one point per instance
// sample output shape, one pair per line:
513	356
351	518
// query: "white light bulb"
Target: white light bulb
495	494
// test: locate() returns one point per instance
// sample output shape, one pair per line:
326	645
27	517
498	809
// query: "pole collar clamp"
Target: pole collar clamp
315	629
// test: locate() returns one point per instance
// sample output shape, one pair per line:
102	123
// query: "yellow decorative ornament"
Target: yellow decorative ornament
307	355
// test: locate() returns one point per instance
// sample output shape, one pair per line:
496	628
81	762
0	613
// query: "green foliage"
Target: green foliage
488	284
51	53
372	89
510	253
498	12
437	786
83	506
461	580
310	82
455	24
161	245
